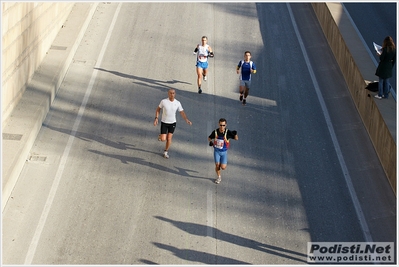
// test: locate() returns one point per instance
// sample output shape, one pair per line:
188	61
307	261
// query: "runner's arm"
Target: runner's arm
238	67
211	136
183	114
232	134
211	54
253	69
157	111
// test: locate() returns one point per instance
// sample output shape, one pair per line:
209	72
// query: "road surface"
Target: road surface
97	190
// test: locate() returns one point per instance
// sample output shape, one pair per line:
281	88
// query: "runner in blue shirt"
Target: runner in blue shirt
245	68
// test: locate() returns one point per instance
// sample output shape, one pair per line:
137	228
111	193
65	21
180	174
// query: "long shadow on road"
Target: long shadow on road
93	137
137	160
142	79
197	256
201	230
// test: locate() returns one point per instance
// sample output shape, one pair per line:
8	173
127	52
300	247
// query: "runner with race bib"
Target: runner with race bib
203	51
219	139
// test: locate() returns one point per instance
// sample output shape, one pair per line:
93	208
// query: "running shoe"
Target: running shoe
218	180
199	90
204	77
244	101
241	96
165	154
377	96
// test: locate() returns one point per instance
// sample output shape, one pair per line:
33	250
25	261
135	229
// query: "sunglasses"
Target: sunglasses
223	125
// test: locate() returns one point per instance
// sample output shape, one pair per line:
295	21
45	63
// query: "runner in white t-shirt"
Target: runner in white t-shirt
169	108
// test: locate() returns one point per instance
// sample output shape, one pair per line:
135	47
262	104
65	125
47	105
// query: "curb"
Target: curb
26	119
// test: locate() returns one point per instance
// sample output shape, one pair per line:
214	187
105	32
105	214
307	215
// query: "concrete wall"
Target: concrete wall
380	135
28	30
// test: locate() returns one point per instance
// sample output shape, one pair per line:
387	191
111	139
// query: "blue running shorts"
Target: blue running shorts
220	156
202	65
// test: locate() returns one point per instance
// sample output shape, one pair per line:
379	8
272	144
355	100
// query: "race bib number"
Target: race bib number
219	143
202	58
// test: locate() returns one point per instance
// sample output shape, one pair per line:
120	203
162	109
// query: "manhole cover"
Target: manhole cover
8	136
57	47
37	158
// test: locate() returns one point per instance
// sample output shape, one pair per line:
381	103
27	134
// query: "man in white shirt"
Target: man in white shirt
169	108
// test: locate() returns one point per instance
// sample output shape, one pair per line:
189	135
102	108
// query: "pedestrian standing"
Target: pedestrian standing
220	140
245	68
384	69
169	107
203	51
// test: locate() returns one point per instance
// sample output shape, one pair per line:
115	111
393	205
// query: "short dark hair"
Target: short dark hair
222	120
247	52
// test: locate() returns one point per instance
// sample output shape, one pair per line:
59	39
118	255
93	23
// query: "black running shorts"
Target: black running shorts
167	128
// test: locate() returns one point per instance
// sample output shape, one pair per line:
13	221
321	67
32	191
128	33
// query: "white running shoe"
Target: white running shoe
203	76
165	154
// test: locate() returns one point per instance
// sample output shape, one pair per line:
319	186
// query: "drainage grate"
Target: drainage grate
37	158
15	137
84	62
57	47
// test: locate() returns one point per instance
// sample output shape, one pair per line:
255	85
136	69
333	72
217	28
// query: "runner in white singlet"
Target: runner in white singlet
203	51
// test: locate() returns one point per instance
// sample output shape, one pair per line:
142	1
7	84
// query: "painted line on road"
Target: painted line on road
209	213
209	198
352	192
43	218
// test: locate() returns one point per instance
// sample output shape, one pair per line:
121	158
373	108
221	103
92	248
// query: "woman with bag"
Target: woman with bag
384	69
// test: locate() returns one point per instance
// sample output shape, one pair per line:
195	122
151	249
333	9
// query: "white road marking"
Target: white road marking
209	199
352	192
209	211
43	218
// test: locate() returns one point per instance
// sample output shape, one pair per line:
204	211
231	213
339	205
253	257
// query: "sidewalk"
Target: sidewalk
23	125
387	107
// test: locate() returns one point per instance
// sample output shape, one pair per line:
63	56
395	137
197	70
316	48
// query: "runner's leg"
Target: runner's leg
164	131
199	74
205	71
246	92
168	141
217	169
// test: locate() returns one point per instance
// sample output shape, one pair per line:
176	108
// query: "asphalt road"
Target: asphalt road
99	191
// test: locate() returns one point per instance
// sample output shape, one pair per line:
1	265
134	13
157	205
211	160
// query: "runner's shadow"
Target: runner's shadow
92	137
201	230
197	256
126	159
141	79
148	262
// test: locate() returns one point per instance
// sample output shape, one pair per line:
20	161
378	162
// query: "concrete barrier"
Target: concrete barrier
21	129
380	135
28	30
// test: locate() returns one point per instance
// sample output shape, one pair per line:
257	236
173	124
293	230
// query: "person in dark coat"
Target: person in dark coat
384	69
